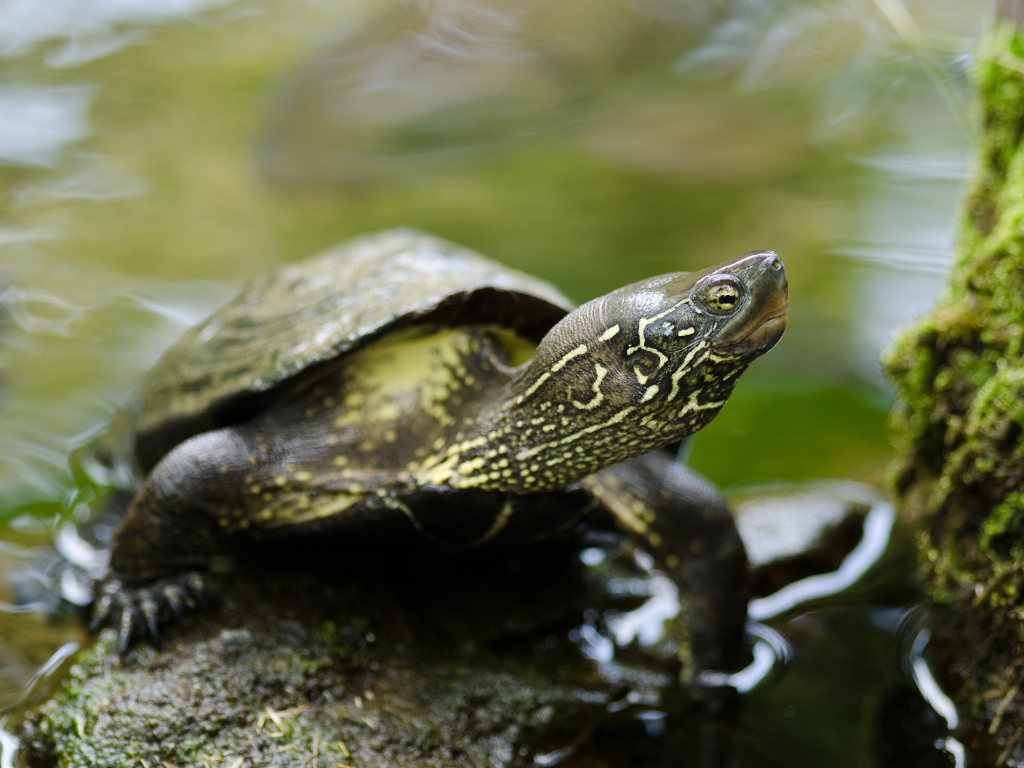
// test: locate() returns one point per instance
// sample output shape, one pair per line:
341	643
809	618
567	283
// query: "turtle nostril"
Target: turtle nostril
776	264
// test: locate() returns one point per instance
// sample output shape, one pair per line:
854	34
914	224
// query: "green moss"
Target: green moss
959	419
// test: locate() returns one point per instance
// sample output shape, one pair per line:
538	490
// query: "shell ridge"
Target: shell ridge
307	314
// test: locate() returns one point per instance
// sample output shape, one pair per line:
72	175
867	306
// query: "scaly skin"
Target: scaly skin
439	426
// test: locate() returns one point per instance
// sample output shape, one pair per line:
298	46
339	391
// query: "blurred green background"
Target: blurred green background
153	155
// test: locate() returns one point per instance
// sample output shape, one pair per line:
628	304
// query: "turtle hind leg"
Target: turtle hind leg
161	553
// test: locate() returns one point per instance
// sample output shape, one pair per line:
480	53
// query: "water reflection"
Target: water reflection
828	649
87	29
72	343
877	528
437	81
40	122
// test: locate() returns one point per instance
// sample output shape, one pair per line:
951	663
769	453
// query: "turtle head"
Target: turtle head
734	312
674	345
635	370
655	360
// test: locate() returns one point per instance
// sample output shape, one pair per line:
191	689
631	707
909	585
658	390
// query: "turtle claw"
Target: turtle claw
103	606
124	635
198	585
134	612
176	599
151	612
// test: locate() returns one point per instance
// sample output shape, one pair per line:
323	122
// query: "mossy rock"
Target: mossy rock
433	659
959	376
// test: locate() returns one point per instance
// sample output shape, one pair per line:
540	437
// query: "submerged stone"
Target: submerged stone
790	536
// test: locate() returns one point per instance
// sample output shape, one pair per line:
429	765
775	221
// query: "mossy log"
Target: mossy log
959	419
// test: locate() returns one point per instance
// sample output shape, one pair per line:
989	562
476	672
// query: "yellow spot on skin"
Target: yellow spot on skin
687	332
618	417
609	334
580	350
469	467
332	506
601	372
534	387
682	369
651	392
641	331
693	404
386	412
723	358
348	418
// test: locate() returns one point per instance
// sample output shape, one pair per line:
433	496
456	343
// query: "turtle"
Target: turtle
402	378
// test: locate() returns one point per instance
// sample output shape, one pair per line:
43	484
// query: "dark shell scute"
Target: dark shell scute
307	314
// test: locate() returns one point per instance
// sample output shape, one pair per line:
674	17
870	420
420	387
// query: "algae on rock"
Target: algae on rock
959	420
360	660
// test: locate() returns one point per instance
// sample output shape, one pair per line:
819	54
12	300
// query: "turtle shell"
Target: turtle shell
286	323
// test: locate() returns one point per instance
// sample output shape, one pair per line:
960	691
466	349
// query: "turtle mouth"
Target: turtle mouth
761	338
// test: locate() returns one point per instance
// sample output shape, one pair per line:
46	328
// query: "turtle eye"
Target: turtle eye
722	297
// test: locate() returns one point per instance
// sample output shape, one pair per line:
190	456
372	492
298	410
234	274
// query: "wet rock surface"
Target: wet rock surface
790	536
498	659
385	652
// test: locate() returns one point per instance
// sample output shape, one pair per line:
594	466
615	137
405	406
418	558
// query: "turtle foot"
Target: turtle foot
133	611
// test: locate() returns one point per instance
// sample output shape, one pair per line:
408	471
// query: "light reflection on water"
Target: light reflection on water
593	144
86	29
39	123
816	633
101	331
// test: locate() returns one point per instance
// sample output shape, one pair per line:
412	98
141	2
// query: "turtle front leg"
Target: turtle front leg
684	522
161	552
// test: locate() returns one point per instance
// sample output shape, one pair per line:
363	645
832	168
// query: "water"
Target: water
154	154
